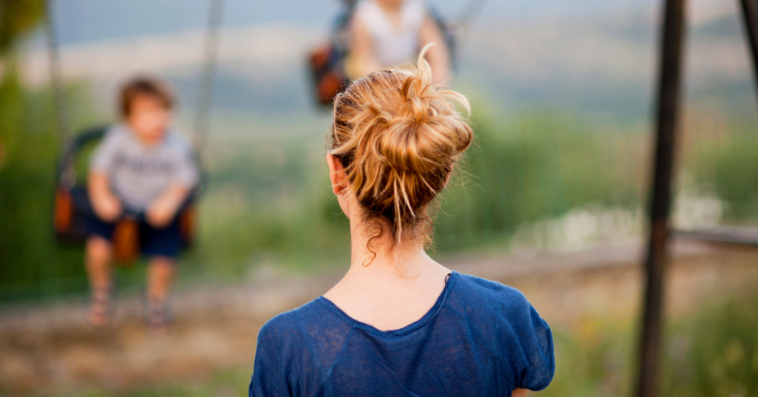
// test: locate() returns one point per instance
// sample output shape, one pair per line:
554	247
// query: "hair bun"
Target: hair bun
398	135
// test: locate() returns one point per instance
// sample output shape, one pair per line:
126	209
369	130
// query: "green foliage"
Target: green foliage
539	165
716	354
729	166
274	204
713	352
17	17
594	359
269	201
30	263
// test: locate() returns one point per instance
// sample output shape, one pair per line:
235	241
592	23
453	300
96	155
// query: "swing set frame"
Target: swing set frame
660	231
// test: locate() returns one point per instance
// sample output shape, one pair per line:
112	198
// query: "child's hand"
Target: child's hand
105	204
107	207
161	212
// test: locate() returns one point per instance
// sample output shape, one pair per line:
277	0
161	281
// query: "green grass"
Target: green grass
713	352
230	383
727	165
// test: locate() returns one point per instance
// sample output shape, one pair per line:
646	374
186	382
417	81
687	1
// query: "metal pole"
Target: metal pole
750	19
655	263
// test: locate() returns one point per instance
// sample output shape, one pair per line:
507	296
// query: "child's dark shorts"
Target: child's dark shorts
165	242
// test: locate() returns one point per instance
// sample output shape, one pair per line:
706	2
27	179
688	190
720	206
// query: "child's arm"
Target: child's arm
519	393
362	49
438	56
163	209
105	204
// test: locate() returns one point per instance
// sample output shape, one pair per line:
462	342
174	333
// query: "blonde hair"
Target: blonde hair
397	136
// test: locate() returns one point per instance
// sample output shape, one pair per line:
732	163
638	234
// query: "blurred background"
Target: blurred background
553	201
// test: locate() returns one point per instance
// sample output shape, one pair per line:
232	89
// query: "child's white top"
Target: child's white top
393	45
138	174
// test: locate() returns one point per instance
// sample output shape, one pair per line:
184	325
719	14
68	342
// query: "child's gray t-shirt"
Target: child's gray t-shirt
137	173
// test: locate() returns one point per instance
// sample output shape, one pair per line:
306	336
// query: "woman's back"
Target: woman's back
396	324
480	338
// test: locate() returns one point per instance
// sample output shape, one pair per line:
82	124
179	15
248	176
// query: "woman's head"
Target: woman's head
396	137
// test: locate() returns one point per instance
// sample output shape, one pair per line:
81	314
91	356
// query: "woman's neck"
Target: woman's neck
392	10
391	289
390	6
404	258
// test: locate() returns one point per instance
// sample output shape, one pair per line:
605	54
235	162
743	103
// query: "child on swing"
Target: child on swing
399	323
144	165
390	32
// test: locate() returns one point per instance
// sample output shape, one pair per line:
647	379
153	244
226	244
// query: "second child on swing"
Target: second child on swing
144	165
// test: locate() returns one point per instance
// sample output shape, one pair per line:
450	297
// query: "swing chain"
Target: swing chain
471	10
68	173
207	78
54	60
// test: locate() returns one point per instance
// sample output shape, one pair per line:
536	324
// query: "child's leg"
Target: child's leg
162	246
97	263
160	277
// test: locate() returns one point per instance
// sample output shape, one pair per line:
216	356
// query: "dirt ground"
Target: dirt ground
48	349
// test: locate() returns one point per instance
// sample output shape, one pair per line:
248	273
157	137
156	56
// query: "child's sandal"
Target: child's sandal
157	315
100	308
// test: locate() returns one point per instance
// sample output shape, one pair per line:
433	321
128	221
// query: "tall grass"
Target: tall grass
713	352
728	165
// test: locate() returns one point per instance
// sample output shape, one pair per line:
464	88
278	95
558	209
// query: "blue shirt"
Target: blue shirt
481	338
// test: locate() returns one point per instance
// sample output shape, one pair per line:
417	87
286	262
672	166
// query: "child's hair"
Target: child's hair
398	136
144	86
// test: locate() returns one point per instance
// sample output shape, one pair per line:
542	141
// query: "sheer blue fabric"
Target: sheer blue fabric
481	338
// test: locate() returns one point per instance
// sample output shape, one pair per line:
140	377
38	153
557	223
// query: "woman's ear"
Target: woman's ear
336	174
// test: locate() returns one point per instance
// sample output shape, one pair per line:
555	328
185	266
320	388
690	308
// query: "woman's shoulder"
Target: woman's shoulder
302	339
478	299
291	319
503	314
484	290
298	325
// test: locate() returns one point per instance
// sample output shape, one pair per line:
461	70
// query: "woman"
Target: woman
399	323
391	32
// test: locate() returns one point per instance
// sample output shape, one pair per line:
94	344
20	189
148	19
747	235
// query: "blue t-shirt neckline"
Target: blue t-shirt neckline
401	331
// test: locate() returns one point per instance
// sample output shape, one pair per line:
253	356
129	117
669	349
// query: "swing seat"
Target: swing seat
72	207
327	75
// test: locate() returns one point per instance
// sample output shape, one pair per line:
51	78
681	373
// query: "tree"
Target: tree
17	17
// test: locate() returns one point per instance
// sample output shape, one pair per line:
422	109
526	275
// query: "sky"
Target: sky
82	21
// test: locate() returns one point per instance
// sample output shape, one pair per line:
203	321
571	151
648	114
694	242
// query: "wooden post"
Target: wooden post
655	262
750	19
